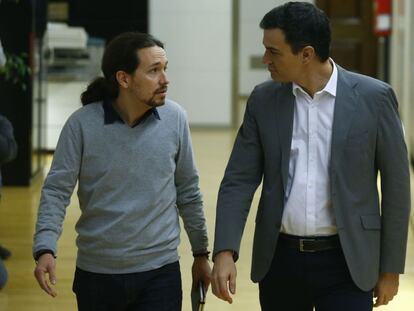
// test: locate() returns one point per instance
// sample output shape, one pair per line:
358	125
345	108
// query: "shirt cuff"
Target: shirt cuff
42	252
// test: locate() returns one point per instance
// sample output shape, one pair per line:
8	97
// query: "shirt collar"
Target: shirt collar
330	87
111	115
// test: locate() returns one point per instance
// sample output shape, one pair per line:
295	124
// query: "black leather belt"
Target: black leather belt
309	244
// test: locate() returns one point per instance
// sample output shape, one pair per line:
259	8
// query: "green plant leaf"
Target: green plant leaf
15	69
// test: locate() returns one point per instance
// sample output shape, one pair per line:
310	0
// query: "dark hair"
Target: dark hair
302	24
120	54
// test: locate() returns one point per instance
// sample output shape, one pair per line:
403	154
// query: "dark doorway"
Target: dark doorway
354	45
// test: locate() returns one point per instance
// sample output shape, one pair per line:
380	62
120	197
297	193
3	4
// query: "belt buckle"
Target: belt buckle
302	246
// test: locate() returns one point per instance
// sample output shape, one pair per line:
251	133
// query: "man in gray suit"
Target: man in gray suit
317	137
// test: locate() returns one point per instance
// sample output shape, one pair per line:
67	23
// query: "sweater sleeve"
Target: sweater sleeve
8	146
189	198
58	188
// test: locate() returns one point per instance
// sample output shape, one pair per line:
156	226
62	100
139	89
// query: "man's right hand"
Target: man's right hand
224	276
46	265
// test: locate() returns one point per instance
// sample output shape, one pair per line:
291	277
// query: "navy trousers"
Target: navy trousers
300	281
158	289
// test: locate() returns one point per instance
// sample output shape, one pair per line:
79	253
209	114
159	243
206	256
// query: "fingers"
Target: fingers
207	282
378	302
43	267
220	289
382	300
224	276
232	283
52	276
386	288
201	271
40	275
222	283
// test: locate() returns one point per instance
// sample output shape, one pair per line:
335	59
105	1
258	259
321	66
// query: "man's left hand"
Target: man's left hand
386	288
201	272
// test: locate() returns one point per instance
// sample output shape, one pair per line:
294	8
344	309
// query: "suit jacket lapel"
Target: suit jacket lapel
285	107
345	107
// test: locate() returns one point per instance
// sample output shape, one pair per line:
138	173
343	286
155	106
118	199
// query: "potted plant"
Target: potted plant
15	70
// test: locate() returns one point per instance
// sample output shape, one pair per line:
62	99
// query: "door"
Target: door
354	45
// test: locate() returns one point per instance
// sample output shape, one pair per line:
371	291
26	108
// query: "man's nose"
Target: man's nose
164	79
265	59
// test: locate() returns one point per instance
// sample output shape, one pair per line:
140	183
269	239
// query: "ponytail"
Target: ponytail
98	90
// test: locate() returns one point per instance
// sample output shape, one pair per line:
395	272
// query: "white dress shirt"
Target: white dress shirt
308	207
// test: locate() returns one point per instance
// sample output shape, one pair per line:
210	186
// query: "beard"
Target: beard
157	99
154	102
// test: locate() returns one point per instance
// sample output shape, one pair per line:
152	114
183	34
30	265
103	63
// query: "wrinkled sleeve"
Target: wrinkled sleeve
242	177
392	162
58	187
189	198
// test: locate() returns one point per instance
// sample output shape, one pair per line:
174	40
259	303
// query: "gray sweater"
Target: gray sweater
133	185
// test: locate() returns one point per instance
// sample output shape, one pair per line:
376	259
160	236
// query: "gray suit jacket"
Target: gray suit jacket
367	138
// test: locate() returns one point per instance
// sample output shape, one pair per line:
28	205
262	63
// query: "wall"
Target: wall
250	42
198	39
402	69
402	66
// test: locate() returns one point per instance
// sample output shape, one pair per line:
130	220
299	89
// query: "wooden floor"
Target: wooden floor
18	214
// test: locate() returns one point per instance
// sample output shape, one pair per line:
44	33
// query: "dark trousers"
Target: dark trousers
300	281
158	289
3	274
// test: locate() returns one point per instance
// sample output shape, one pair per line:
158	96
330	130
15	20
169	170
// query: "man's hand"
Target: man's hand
46	265
224	276
201	272
386	288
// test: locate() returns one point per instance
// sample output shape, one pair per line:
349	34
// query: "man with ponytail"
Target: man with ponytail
130	150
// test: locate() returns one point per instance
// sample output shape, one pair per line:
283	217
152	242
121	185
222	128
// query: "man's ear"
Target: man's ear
308	54
123	79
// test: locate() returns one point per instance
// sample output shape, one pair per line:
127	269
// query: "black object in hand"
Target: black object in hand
198	297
